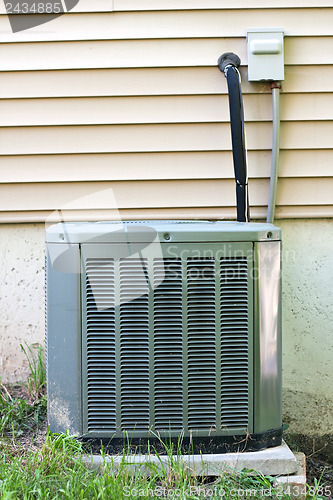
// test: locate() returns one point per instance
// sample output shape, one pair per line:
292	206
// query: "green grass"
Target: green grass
56	469
18	415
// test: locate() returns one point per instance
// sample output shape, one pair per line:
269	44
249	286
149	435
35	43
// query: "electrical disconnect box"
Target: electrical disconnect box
265	54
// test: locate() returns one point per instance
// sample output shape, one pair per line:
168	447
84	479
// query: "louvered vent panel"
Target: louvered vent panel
134	344
234	342
201	324
168	350
101	373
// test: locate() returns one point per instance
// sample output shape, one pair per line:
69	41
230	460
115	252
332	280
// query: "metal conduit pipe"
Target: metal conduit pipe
275	152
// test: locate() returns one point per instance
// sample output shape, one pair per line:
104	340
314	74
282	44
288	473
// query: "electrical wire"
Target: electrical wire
275	153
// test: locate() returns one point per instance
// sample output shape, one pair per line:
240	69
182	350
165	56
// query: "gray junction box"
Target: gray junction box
168	328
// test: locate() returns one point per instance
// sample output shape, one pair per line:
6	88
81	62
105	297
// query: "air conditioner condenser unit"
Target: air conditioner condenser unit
157	330
168	330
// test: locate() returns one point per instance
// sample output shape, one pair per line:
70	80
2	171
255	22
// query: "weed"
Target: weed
17	415
37	380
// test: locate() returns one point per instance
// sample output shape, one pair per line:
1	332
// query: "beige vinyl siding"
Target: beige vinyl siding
124	5
143	194
120	105
163	138
150	53
158	109
82	6
174	25
180	165
152	82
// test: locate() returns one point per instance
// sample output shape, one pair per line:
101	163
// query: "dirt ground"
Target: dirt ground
316	469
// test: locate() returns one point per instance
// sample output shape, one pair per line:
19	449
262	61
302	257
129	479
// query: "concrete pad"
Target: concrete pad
275	461
294	485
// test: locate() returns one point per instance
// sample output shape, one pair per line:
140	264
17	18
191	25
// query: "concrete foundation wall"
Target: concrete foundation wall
308	325
307	314
21	295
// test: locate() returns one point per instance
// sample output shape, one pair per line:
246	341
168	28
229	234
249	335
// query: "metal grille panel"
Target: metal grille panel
134	344
101	371
201	325
168	344
157	353
234	342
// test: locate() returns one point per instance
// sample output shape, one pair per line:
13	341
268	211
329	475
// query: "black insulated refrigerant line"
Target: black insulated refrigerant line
229	63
